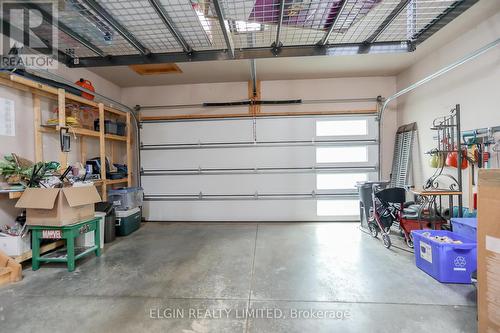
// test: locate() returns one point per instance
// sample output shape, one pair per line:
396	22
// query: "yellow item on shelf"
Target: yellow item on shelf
70	121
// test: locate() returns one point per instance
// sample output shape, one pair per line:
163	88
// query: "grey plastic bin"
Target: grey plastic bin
365	199
126	198
109	226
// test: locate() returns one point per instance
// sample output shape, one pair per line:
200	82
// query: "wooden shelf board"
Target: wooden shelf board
81	100
84	132
11	195
263	114
53	91
75	130
115	137
111	110
43	249
15	195
435	192
116	181
6	81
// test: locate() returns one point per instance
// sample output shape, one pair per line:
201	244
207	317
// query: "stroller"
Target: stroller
390	208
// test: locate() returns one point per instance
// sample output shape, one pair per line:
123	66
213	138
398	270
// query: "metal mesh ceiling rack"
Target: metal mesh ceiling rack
125	32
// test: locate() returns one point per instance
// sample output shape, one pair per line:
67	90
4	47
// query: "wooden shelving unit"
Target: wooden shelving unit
63	98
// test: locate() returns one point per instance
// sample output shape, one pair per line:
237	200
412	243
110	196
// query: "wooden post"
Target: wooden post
102	151
83	150
37	122
257	98
61	108
129	151
112	152
251	109
254	109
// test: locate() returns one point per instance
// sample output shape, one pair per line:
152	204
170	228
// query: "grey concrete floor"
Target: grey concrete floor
231	277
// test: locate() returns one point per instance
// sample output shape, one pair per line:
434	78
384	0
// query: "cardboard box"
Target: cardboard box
488	250
15	245
58	206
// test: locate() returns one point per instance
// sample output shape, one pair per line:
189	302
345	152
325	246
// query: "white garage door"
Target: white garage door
263	169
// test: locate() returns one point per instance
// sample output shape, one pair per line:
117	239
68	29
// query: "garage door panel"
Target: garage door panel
342	182
195	132
248	157
302	128
284	129
244	210
228	157
229	184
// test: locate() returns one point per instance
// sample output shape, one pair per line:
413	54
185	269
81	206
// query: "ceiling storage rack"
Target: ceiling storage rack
126	32
103	144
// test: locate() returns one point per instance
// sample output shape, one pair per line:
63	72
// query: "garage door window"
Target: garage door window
337	207
342	127
342	154
339	181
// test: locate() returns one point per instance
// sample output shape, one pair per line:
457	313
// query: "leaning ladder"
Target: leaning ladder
403	148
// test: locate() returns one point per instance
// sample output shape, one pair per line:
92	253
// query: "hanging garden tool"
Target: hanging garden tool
452	159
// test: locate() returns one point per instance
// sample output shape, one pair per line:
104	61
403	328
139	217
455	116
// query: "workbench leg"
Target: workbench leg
97	237
35	251
70	253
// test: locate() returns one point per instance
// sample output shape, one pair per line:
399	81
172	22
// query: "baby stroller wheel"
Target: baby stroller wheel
387	240
409	241
373	229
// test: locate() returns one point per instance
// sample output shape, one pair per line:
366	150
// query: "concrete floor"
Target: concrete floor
209	274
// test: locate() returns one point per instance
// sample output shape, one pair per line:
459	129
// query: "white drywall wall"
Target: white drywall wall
475	86
335	88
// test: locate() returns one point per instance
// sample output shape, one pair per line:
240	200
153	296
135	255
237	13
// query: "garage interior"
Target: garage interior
250	166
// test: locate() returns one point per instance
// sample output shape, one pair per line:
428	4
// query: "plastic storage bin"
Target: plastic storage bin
125	198
15	245
109	227
448	263
128	221
110	127
120	128
465	226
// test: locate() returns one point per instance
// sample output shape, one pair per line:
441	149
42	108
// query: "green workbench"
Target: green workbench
69	233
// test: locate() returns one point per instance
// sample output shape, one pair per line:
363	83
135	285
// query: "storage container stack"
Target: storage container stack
127	202
448	256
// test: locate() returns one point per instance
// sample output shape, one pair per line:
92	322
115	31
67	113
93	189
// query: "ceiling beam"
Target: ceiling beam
443	19
47	17
224	28
388	20
327	35
247	53
162	13
109	19
277	42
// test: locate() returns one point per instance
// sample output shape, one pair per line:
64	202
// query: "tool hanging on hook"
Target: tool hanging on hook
65	139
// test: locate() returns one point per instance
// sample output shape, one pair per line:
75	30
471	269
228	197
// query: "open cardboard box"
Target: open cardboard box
58	206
